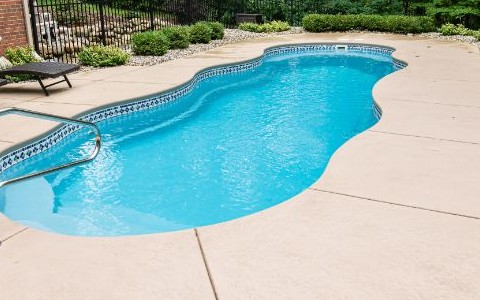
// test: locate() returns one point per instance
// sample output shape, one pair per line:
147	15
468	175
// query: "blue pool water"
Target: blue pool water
235	145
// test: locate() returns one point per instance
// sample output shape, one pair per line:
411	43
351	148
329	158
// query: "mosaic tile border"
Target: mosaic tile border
377	110
334	48
26	152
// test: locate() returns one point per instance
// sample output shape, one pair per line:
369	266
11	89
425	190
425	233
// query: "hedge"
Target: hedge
395	24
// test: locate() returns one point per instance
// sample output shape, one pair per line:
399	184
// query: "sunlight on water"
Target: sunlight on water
235	145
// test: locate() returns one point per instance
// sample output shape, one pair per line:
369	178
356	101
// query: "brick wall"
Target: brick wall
12	24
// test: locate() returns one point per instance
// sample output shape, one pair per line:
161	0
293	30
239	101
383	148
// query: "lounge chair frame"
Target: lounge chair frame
43	70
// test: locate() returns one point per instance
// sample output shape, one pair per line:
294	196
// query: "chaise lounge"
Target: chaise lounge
41	70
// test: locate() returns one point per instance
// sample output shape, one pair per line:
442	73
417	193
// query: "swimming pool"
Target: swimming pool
234	141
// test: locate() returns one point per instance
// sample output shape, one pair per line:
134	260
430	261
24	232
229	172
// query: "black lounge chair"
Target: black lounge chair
47	69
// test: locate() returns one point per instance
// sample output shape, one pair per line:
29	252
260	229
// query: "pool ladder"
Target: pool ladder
44	116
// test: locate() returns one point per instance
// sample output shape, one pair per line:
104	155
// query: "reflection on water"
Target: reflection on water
235	145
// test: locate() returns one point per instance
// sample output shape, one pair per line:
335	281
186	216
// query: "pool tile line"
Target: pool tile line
396	204
12	158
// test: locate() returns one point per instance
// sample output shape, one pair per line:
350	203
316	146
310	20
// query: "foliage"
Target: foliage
395	24
103	56
200	33
294	10
218	30
466	12
140	5
451	29
248	26
20	56
150	43
178	37
67	14
274	26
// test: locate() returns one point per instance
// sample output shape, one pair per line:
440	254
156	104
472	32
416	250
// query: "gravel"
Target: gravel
459	38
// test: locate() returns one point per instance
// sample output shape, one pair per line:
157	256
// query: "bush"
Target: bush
200	33
475	34
274	26
395	24
459	29
103	56
247	26
218	30
20	56
177	36
279	26
150	43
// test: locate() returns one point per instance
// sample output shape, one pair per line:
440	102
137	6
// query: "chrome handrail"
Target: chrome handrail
35	114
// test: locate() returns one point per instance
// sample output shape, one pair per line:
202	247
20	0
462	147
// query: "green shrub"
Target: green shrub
395	24
459	29
451	29
475	34
279	26
218	30
247	26
274	26
200	33
178	37
103	56
150	43
20	56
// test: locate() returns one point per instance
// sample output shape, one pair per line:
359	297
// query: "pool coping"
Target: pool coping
220	261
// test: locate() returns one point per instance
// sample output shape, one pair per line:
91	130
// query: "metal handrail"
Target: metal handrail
35	114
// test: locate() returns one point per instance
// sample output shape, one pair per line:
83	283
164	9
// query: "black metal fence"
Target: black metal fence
61	28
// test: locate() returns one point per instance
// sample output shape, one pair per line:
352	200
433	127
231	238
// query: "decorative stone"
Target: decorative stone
69	48
45	51
135	21
58	49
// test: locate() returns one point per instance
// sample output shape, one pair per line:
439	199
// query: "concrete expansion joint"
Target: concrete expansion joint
424	137
397	204
435	103
13	235
435	79
209	273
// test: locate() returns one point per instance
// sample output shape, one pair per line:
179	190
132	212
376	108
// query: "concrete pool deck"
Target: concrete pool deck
396	215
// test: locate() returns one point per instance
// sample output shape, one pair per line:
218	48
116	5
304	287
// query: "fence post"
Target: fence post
150	10
102	22
31	11
292	9
188	10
